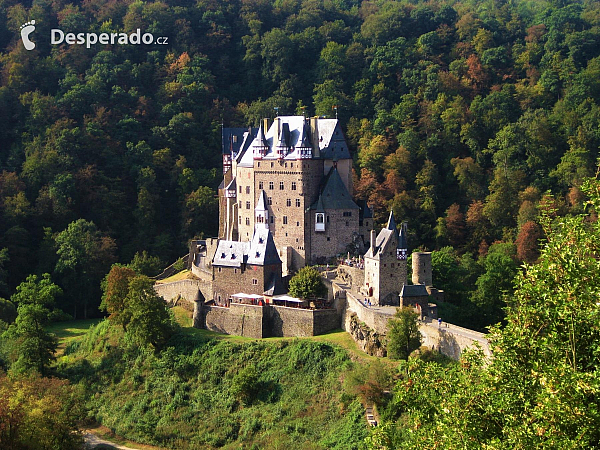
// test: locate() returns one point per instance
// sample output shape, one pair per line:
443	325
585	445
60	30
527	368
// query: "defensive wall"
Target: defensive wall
448	339
265	321
280	321
188	289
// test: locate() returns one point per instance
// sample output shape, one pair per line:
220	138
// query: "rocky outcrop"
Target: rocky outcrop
368	340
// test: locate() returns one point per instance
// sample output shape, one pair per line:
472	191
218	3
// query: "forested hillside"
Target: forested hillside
461	115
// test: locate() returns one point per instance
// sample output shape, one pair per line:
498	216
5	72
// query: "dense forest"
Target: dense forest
461	116
477	122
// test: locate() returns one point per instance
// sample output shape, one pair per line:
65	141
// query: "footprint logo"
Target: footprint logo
26	30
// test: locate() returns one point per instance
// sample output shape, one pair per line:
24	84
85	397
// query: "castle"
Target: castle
285	202
293	177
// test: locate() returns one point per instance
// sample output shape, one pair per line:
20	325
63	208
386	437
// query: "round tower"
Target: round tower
421	265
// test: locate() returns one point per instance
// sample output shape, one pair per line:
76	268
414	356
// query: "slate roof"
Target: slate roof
334	194
414	290
385	235
365	211
294	133
232	139
261	251
261	205
402	241
231	253
231	186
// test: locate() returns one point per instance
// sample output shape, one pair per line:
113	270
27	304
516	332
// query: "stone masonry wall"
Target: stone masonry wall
239	320
189	289
337	235
449	343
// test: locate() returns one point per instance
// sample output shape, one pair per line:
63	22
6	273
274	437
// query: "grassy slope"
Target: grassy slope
188	396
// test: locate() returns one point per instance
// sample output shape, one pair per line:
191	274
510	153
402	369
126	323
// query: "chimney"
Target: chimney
265	126
373	242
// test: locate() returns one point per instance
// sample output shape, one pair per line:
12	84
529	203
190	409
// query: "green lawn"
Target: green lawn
69	330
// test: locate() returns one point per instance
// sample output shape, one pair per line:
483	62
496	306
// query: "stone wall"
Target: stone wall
449	340
189	289
238	319
290	322
265	321
452	344
352	276
338	233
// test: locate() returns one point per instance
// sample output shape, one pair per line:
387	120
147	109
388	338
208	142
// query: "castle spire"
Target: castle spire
391	225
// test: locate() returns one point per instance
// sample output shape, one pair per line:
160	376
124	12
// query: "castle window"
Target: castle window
269	200
220	269
254	281
247	220
327	219
347	224
298	203
347	213
240	220
234	138
297	224
320	222
271	185
247	189
328	239
234	270
258	254
392	265
247	205
293	185
385	265
240	205
240	189
233	256
271	164
261	185
285	220
281	186
260	241
367	222
286	165
391	275
222	255
288	202
272	220
292	165
259	164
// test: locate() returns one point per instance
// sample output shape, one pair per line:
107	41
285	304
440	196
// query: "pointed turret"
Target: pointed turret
305	148
260	147
391	225
261	212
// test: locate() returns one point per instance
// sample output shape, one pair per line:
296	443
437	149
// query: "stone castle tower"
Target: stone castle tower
385	265
294	176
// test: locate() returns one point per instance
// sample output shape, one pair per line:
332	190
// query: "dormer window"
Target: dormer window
233	256
257	254
222	255
260	241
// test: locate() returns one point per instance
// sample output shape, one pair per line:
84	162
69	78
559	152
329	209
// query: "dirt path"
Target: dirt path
92	441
